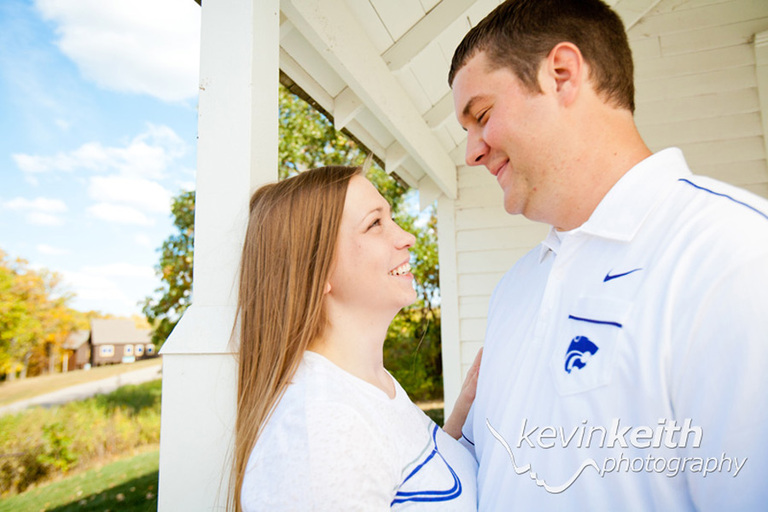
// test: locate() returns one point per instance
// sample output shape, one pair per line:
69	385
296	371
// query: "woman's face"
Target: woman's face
371	271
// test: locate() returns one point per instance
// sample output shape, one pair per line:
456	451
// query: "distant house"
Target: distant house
77	350
119	341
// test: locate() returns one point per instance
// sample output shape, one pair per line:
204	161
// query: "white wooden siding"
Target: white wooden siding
697	87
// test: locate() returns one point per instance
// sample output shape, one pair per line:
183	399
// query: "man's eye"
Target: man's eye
481	116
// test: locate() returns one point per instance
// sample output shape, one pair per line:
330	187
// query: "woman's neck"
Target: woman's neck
356	345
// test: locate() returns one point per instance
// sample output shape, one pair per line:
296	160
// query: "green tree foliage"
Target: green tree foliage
34	318
175	271
307	140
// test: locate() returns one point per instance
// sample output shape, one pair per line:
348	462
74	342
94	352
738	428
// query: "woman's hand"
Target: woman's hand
458	416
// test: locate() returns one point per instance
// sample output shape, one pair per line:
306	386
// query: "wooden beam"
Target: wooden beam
333	31
440	111
346	105
424	32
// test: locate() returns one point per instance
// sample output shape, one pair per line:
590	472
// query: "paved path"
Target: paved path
85	390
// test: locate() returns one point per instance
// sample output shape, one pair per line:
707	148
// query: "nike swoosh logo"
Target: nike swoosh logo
608	276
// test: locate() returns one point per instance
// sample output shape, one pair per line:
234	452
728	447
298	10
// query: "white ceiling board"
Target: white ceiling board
445	138
451	37
430	68
361	133
299	75
332	29
411	85
631	11
398	16
428	4
375	128
369	19
313	63
480	10
455	129
425	31
440	111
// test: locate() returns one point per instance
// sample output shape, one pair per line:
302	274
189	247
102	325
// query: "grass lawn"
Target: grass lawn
34	386
128	484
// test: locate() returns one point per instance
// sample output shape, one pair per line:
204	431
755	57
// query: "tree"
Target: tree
34	318
307	140
175	271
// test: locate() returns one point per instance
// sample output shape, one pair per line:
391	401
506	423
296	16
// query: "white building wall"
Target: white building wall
697	88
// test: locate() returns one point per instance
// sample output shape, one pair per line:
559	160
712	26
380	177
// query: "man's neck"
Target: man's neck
606	155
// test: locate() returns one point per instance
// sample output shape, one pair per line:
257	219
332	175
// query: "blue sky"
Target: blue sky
98	123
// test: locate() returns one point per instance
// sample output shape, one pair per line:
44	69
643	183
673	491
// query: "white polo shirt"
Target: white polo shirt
626	361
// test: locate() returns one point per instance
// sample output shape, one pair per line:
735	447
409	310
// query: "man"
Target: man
626	358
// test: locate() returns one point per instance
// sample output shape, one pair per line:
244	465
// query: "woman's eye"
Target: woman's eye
481	116
375	223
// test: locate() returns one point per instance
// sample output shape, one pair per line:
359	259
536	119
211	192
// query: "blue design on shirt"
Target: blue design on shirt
574	356
725	196
446	495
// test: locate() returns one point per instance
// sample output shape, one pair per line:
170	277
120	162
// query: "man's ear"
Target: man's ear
565	68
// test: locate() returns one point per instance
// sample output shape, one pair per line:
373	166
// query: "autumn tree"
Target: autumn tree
35	318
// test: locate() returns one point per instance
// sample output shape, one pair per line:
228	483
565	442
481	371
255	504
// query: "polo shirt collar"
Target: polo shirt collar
625	207
551	243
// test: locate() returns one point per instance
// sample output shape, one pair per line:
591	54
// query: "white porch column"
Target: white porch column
450	325
237	152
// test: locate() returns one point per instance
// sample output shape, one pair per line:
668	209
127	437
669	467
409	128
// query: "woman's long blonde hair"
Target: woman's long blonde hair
287	256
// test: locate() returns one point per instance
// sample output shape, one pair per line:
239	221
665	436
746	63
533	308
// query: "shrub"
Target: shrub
38	444
413	355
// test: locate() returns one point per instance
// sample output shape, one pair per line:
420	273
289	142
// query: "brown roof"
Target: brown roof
117	331
76	339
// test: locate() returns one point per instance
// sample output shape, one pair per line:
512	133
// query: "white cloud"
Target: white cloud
142	46
41	204
39	211
50	250
121	270
116	288
119	213
89	286
149	154
142	240
44	219
144	194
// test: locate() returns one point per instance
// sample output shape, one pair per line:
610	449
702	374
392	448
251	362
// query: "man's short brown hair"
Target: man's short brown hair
519	34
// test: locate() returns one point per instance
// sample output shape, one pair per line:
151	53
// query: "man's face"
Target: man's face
511	131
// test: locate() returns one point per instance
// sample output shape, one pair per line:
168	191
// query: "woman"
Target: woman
321	425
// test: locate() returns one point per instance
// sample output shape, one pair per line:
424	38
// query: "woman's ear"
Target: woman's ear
327	289
565	67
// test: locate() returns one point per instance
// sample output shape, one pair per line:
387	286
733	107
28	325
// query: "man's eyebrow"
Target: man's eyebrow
469	105
467	108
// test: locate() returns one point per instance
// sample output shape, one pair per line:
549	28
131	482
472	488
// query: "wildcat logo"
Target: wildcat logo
579	352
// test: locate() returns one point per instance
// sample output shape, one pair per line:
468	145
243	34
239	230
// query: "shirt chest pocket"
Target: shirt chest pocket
587	343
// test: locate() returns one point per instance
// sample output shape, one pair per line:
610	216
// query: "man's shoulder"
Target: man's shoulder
725	199
708	208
